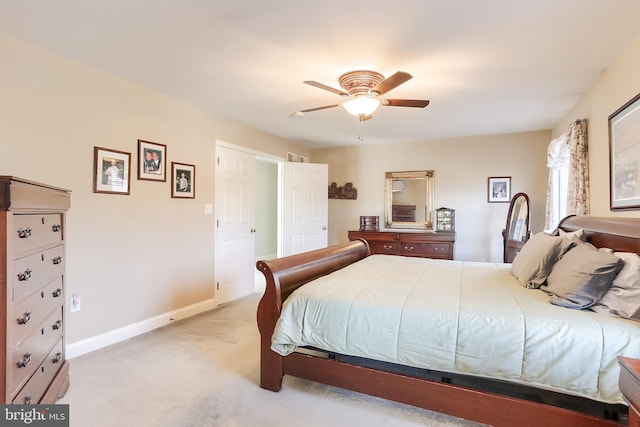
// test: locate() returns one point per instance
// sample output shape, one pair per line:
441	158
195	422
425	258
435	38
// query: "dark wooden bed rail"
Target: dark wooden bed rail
284	275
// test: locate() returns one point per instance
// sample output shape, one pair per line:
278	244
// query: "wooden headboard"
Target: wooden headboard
619	234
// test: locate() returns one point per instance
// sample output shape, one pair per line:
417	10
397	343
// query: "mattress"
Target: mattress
462	317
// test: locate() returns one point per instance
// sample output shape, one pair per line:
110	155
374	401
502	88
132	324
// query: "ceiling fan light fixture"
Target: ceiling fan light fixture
361	105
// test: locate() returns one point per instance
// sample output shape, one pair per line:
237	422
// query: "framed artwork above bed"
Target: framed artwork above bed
624	156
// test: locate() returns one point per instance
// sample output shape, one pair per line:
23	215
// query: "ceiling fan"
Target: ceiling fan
364	90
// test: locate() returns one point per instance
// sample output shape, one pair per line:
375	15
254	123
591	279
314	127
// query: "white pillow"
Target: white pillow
578	234
623	298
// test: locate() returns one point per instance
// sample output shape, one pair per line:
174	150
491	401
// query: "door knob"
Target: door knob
324	227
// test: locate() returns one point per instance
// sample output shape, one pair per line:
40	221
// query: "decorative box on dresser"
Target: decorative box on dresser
32	275
423	244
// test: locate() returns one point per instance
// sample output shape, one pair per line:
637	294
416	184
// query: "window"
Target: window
558	162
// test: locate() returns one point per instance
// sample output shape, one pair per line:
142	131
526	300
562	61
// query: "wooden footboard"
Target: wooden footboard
284	275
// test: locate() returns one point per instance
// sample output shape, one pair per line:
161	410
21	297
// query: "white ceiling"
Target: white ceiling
491	66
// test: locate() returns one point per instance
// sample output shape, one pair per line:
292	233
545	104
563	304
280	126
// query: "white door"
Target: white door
235	224
305	207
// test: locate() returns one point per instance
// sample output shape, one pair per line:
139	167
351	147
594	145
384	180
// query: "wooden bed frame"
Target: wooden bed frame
284	275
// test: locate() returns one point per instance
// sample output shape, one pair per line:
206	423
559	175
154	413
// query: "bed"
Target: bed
481	381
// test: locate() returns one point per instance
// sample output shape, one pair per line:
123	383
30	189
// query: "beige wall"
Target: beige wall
461	166
130	257
618	85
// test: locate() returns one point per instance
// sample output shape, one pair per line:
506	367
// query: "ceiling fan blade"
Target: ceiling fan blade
318	108
325	87
392	82
417	103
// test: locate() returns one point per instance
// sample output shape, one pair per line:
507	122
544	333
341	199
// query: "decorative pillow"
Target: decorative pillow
533	263
623	298
581	277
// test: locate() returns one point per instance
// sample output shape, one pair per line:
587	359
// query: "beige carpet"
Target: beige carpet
203	371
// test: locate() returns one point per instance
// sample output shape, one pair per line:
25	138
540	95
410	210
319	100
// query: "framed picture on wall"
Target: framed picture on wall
111	171
624	156
499	189
152	158
183	181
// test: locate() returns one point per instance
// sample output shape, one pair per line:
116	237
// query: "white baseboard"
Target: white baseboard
112	337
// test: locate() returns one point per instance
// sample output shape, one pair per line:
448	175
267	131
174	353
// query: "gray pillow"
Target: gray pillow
581	277
533	263
623	298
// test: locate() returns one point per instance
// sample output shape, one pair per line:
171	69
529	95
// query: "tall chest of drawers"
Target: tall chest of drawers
32	276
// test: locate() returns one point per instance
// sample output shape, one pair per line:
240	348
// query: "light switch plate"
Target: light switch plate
74	302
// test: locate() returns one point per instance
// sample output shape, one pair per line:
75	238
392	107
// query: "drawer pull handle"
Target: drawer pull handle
57	293
57	357
408	248
24	276
57	325
56	228
22	320
24	233
438	249
57	260
24	361
387	246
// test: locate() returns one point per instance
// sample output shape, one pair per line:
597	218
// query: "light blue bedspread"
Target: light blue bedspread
464	317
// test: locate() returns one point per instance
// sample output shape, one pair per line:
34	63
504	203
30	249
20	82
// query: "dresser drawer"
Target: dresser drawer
382	247
29	314
35	388
28	355
429	250
32	272
34	231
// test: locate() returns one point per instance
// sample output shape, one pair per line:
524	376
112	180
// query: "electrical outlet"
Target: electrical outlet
74	303
208	209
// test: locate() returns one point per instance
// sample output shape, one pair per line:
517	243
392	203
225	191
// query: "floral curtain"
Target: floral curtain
578	189
568	186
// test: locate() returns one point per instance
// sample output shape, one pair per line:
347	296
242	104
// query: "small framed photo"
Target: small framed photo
499	189
624	156
152	161
111	171
183	181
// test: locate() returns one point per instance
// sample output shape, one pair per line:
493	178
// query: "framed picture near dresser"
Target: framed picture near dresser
499	189
111	171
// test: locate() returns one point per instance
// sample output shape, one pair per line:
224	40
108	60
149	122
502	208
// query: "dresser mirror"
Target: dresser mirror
409	200
517	230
